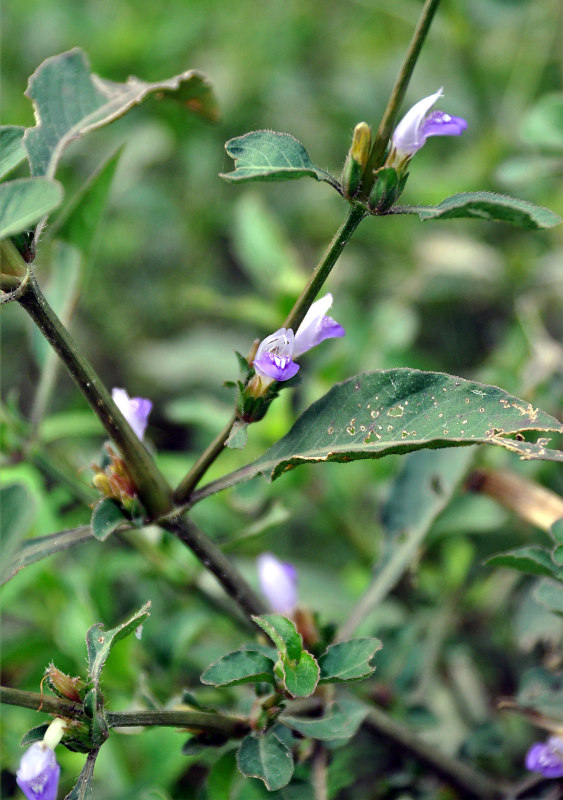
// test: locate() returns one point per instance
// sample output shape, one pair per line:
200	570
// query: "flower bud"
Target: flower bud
386	189
356	160
63	685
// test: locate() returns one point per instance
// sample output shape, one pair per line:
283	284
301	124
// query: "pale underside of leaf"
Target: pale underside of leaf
24	201
69	101
271	156
487	206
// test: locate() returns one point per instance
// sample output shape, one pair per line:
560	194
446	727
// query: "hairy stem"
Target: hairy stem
387	123
355	215
213	451
152	487
216	562
206	721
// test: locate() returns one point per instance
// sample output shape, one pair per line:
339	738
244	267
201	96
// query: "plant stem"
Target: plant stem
387	123
460	776
355	215
207	721
213	451
216	562
153	489
320	772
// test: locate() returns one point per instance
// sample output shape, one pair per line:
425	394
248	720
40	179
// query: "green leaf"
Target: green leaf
32	550
488	206
283	633
300	679
100	642
267	758
534	560
556	531
342	722
399	410
34	735
107	517
82	218
25	201
549	594
349	661
238	436
18	509
12	151
241	666
69	101
422	489
271	156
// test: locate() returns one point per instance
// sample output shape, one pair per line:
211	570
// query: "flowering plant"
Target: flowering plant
258	683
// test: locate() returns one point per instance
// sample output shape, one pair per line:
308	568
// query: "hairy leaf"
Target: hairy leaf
534	560
12	152
18	511
349	661
69	101
300	679
82	218
32	550
283	633
24	201
107	517
342	722
99	642
399	410
241	666
488	206
271	156
264	756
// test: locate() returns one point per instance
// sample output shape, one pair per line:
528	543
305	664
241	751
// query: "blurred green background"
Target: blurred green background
187	269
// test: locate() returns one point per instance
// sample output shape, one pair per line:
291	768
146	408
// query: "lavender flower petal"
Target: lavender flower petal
316	326
438	123
38	773
278	582
274	357
136	410
546	758
417	125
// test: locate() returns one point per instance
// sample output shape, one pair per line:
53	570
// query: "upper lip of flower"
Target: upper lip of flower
417	125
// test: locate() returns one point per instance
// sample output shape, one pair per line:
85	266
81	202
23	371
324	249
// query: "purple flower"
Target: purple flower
316	326
546	757
417	125
278	582
273	361
38	773
275	354
136	410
